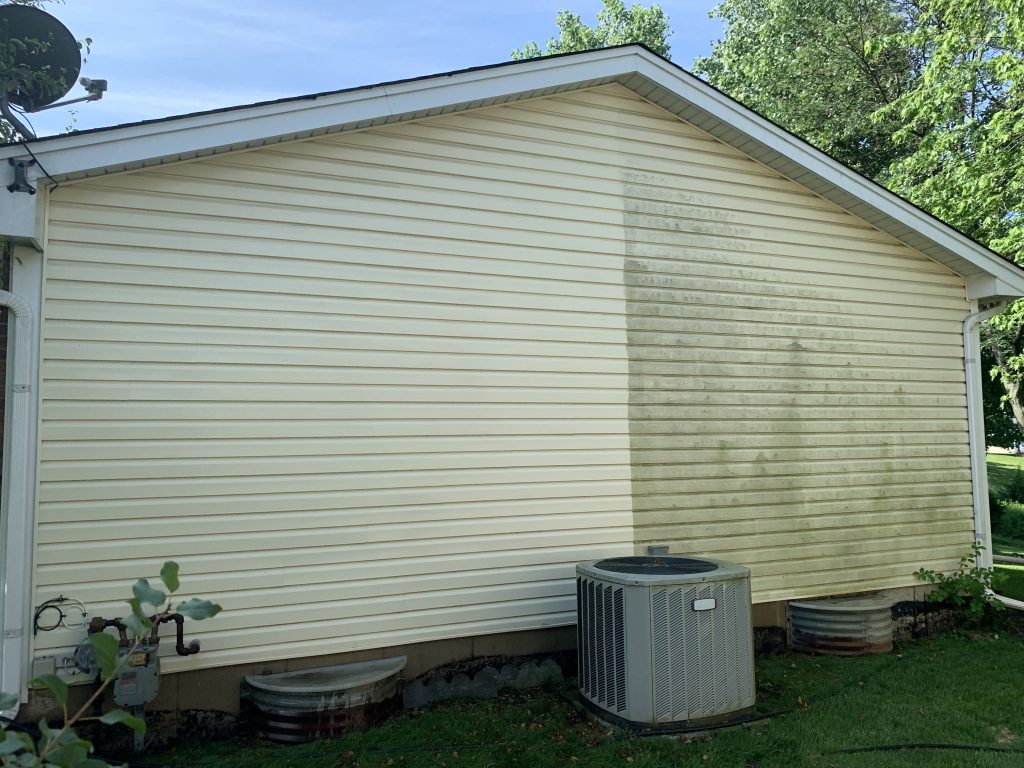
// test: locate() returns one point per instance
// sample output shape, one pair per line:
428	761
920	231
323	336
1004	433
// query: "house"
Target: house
378	366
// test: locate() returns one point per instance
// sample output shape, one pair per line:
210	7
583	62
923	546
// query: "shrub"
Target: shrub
1011	521
1014	490
967	589
995	511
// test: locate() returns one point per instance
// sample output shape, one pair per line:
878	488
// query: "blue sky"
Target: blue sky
176	56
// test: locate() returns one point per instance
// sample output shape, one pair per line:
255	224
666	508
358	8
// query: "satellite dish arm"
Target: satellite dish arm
96	89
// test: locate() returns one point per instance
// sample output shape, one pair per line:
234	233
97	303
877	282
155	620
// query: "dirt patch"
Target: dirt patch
1004	735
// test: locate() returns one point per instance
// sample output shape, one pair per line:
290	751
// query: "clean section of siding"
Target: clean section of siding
797	396
367	390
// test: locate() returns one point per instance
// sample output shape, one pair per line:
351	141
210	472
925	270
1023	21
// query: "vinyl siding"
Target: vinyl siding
388	386
367	390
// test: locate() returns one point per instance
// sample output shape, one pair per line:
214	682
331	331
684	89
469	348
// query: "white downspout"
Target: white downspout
976	432
976	426
19	501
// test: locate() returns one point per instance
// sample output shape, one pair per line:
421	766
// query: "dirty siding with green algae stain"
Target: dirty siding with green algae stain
671	368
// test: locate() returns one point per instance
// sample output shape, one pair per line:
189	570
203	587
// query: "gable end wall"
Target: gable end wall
387	387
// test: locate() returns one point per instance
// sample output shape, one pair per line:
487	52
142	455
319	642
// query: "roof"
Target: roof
155	142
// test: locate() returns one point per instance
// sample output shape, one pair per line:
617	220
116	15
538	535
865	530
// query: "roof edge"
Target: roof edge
117	148
135	145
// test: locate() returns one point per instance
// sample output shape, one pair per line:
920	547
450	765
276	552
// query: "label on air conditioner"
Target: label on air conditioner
704	605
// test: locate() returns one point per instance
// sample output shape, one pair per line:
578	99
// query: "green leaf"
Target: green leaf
56	686
71	753
16	741
136	623
115	716
198	609
104	646
8	701
169	576
46	733
145	594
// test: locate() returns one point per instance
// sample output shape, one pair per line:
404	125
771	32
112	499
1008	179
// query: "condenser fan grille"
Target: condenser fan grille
602	657
656	566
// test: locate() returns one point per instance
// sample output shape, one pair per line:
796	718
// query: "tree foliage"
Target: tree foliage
1000	424
962	134
616	25
805	65
924	96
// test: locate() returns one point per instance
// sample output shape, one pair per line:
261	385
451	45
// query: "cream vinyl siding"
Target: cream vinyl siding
388	386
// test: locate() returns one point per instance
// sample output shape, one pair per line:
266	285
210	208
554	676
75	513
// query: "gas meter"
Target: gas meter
137	679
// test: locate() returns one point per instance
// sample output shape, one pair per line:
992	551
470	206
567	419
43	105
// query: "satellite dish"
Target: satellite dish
47	58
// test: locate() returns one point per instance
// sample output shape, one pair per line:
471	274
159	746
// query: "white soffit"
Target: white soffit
157	142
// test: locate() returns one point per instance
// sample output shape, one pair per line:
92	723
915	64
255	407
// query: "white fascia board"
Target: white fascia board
75	156
982	287
697	93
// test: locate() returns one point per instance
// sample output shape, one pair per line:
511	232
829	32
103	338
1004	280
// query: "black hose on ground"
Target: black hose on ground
900	747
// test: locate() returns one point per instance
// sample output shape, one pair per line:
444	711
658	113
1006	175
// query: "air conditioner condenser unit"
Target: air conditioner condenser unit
665	642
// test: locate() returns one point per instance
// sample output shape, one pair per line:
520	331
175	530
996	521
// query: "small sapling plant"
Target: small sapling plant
61	747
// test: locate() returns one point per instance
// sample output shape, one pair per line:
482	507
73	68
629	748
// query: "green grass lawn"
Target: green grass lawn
1010	581
1002	472
1006	545
1002	469
957	689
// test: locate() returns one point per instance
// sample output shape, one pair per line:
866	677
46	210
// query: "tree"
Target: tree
804	65
11	50
925	96
1001	428
962	133
616	25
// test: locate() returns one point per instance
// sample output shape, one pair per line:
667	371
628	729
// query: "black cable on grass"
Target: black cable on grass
420	748
900	747
682	730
